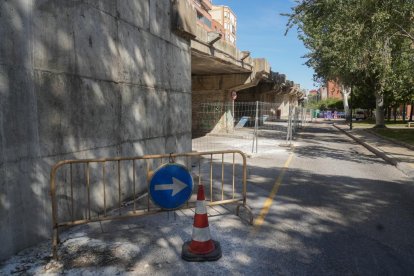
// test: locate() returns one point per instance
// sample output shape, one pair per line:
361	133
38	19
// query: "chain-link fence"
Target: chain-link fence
246	126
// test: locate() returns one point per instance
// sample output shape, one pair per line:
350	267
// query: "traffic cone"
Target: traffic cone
201	248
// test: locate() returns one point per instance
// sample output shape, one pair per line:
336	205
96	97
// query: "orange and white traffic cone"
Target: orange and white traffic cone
201	247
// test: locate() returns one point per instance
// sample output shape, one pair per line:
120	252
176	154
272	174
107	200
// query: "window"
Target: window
203	19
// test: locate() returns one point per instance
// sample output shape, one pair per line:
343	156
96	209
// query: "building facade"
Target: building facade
323	92
227	18
333	90
217	27
203	8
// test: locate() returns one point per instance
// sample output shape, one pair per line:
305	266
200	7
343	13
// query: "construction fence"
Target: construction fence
94	190
247	126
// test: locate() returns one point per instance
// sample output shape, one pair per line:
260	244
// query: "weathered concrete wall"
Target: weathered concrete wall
83	79
256	94
211	89
204	96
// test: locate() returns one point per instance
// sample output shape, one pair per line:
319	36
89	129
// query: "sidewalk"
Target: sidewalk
152	245
402	157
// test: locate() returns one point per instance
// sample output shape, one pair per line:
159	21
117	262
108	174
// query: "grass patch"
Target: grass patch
398	123
370	123
363	124
403	135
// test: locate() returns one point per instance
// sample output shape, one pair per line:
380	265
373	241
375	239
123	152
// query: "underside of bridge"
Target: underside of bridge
219	69
212	80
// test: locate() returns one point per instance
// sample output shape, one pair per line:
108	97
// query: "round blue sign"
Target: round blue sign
171	186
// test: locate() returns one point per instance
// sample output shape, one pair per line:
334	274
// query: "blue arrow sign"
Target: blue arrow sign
171	186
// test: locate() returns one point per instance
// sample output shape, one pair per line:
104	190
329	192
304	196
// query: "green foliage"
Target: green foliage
363	44
312	101
363	98
328	104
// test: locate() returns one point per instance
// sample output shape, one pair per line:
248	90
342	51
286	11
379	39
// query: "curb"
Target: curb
399	165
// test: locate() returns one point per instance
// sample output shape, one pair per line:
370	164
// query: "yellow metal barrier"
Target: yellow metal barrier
66	177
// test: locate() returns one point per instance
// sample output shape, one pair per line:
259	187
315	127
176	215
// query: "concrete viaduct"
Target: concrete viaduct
218	68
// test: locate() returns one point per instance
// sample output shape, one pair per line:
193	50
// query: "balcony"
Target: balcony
206	4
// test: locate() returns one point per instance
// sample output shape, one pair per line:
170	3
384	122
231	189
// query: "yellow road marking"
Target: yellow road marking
266	206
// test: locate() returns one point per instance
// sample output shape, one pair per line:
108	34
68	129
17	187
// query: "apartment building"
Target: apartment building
227	18
217	27
334	90
203	8
330	90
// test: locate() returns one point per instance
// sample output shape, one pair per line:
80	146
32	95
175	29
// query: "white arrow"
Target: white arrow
176	187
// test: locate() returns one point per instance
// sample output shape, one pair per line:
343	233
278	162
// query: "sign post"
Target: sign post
233	97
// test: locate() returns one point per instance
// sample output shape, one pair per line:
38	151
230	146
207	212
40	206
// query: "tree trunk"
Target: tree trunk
345	94
411	112
404	112
395	114
346	105
379	110
388	114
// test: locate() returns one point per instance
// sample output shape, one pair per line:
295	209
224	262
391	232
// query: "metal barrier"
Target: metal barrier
296	120
66	182
239	125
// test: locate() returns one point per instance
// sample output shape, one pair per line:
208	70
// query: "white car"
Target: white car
360	115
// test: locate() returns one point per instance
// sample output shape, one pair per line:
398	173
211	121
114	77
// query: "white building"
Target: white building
227	18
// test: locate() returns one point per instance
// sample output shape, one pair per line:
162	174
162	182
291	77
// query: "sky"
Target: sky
261	30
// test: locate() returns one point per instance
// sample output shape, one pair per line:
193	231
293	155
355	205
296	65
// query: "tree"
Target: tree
332	104
356	42
363	98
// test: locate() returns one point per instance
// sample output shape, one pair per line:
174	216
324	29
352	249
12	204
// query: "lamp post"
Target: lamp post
233	98
350	108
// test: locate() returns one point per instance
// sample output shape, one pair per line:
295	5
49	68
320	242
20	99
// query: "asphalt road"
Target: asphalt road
327	207
340	210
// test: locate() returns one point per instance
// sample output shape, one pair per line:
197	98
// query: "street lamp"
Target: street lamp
350	107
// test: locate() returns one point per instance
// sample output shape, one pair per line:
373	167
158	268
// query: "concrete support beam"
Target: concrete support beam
183	19
218	82
213	37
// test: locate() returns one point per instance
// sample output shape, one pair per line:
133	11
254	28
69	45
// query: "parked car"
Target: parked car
360	115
